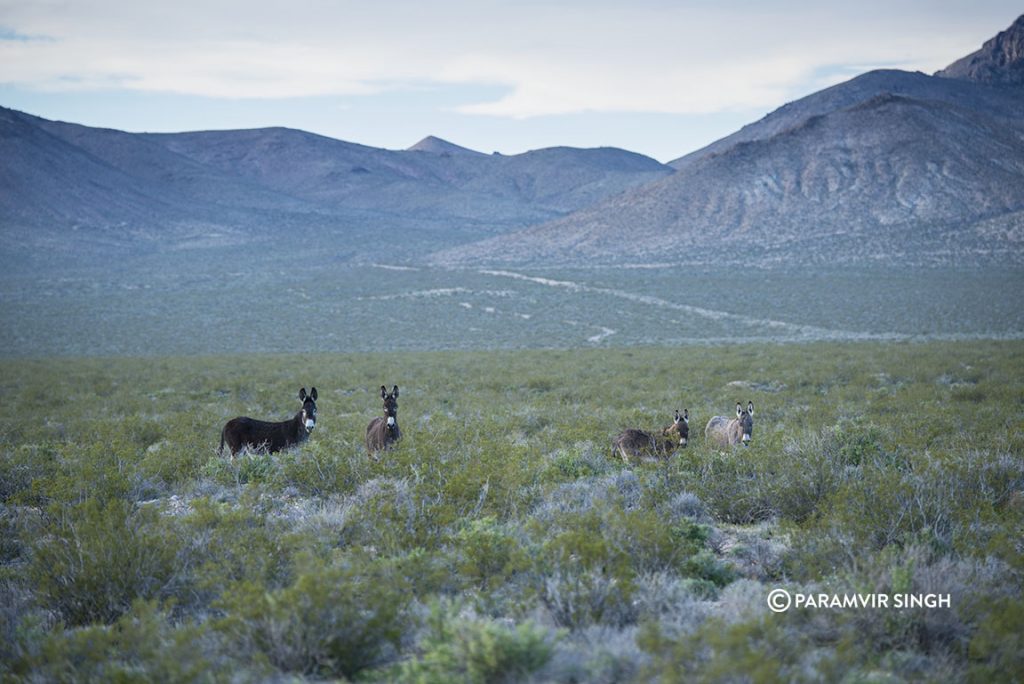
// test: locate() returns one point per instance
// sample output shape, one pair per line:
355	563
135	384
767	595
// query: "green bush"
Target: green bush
255	467
338	618
230	543
477	651
321	470
755	650
141	646
489	554
96	559
997	647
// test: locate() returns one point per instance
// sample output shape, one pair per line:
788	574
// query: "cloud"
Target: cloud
549	57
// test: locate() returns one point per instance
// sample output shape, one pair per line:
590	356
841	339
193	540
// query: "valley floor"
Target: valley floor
502	539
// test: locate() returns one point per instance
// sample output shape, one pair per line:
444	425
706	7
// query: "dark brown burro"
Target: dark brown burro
383	432
723	432
644	446
260	435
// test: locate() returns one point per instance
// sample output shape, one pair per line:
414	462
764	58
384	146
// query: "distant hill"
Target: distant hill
436	145
85	191
889	167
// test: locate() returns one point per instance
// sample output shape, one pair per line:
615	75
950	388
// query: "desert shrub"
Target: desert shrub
744	486
178	461
489	553
383	514
758	558
855	442
338	618
621	488
491	470
21	629
98	471
760	649
686	505
490	475
815	465
597	655
576	598
11	546
671	599
96	558
477	651
228	543
321	470
735	484
583	459
244	468
622	541
590	561
996	648
21	467
953	501
141	646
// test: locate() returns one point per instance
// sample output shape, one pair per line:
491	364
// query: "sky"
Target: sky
659	77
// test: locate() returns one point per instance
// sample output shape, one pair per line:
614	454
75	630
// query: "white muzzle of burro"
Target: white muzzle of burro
310	424
391	421
746	440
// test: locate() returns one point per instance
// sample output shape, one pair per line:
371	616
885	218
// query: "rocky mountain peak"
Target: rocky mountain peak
999	61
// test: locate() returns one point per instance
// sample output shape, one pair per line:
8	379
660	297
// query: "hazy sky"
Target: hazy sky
654	76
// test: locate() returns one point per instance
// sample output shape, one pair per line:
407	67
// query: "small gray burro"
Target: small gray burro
726	432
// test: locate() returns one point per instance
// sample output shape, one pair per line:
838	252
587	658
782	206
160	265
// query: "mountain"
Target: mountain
889	167
436	145
89	192
994	102
1000	60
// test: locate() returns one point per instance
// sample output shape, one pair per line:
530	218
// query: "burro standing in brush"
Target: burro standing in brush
725	432
259	435
637	444
383	432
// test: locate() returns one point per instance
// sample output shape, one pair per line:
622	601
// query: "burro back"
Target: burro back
725	432
260	435
638	445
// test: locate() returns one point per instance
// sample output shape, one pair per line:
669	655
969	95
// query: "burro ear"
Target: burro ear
383	392
739	409
686	416
750	407
302	394
312	394
678	417
394	392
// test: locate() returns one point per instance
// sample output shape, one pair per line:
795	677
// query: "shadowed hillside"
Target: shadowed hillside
93	193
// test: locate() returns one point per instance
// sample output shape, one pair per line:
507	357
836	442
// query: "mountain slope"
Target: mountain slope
1000	60
90	192
432	180
889	167
992	101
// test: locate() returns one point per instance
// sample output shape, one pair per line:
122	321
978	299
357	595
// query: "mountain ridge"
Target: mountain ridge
888	167
90	192
999	60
